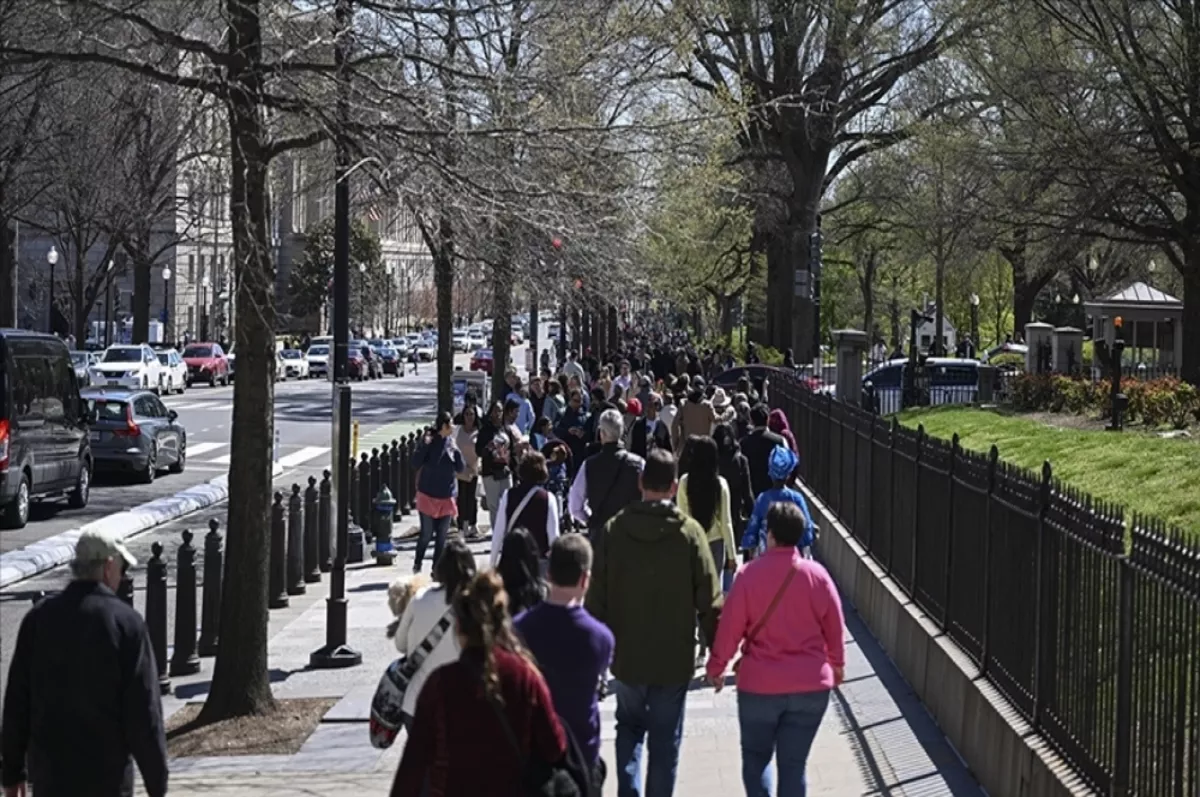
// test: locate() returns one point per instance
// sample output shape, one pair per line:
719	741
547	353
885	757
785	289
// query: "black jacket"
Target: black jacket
757	447
82	697
486	451
613	482
736	472
659	438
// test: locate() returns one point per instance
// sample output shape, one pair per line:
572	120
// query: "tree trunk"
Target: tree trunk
725	308
867	286
939	298
82	306
613	342
240	683
8	276
443	278
502	321
141	289
1190	367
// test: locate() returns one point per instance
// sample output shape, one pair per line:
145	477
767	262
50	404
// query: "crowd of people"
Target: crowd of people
645	524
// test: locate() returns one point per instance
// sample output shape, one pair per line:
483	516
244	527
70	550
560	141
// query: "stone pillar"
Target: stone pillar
1037	337
1066	349
851	344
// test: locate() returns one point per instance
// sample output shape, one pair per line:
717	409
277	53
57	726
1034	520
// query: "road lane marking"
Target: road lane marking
223	460
197	449
303	455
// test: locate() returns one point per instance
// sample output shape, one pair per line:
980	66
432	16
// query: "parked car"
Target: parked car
134	432
481	360
374	361
462	340
357	366
476	340
44	450
82	361
294	364
427	350
318	359
208	362
946	380
176	371
134	366
390	360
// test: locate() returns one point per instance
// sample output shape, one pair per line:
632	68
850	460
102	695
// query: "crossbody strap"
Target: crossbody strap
512	524
771	609
415	659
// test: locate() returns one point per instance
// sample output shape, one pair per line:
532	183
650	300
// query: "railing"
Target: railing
1088	625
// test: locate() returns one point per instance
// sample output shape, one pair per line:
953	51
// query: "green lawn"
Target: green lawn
1146	474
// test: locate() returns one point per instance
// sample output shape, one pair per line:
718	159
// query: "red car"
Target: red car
206	362
482	361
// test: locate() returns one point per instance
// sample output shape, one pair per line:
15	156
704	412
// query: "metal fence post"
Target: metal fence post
156	613
277	575
868	524
397	471
954	453
891	550
295	543
985	641
210	612
185	661
312	570
412	473
325	523
364	495
916	511
352	490
1123	752
375	476
1042	645
402	484
385	469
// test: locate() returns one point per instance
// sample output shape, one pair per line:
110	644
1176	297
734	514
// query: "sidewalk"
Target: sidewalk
875	740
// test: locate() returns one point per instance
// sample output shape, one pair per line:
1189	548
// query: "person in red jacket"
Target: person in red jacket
459	746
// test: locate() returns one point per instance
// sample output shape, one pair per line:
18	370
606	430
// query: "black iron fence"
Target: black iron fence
1089	625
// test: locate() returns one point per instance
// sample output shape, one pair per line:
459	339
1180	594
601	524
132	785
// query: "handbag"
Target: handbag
766	616
387	705
567	778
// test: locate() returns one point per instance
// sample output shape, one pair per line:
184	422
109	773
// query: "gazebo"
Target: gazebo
1152	323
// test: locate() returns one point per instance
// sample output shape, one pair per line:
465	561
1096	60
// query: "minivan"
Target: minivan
44	450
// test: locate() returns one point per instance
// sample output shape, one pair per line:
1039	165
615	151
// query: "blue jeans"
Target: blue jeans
783	726
656	711
429	528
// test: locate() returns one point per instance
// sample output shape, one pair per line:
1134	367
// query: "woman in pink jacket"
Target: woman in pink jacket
786	614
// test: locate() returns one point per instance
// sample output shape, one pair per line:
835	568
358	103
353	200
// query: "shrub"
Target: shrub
1009	361
1032	392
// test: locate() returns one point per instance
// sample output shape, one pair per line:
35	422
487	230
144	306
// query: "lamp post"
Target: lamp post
108	277
975	320
204	286
362	299
389	268
166	313
52	259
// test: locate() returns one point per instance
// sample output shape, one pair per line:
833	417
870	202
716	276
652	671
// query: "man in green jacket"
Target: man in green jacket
652	577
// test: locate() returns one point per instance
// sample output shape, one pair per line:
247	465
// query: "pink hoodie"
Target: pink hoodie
801	642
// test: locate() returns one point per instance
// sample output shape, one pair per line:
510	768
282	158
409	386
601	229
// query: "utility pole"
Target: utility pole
336	653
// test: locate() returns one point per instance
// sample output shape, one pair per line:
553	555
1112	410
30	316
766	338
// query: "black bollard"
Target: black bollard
295	543
401	491
125	588
376	475
385	468
413	442
400	451
312	572
156	613
277	581
364	495
325	523
210	611
184	661
352	491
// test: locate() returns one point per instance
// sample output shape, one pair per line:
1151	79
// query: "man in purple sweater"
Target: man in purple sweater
572	648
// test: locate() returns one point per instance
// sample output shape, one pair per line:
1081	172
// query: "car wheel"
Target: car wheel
212	380
225	380
147	476
16	514
78	498
181	463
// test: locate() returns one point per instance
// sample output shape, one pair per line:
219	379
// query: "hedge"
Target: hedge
1155	402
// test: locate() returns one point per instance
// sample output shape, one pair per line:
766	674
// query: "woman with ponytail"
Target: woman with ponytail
472	711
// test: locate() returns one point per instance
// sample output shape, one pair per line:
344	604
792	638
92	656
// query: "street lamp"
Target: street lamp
975	319
389	268
362	298
108	303
52	259
204	285
166	313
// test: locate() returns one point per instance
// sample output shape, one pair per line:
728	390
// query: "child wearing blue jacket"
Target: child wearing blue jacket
780	466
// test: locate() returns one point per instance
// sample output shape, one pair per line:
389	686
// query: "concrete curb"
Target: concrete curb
54	551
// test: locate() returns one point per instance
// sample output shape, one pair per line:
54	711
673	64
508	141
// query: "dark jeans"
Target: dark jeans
431	527
782	726
468	504
657	712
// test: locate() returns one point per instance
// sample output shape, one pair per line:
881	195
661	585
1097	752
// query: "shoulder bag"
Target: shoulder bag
387	704
762	621
567	778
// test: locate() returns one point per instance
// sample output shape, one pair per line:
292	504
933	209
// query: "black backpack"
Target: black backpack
570	777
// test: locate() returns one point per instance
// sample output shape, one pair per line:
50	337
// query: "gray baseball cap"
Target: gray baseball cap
94	547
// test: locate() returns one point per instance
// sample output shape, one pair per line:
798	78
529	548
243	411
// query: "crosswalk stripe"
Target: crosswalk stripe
374	411
223	460
217	407
196	449
303	455
190	405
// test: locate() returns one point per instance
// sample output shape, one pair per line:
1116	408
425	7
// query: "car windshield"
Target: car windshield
198	351
483	354
387	351
165	359
107	410
123	355
79	358
318	350
292	354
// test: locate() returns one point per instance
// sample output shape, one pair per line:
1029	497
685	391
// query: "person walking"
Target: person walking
780	467
573	368
82	691
573	649
695	417
785	612
653	578
650	431
520	567
735	470
494	446
438	462
481	718
528	505
468	477
451	572
607	481
757	447
704	496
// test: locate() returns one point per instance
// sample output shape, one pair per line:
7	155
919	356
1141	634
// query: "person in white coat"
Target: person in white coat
452	572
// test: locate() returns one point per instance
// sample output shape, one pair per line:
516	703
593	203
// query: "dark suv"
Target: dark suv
44	450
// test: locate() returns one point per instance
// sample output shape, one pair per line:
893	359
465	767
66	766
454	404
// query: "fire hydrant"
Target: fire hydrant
381	525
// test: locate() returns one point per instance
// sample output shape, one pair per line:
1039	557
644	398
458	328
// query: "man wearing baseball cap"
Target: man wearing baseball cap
83	688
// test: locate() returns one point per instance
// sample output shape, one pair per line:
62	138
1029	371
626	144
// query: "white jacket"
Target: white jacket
427	607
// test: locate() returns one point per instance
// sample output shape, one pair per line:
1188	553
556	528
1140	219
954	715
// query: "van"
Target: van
44	450
947	381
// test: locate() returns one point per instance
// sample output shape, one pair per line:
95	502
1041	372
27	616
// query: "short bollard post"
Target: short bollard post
376	472
401	491
352	491
325	523
385	467
125	588
295	544
385	507
397	476
184	661
364	495
312	573
156	613
277	580
210	611
413	442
